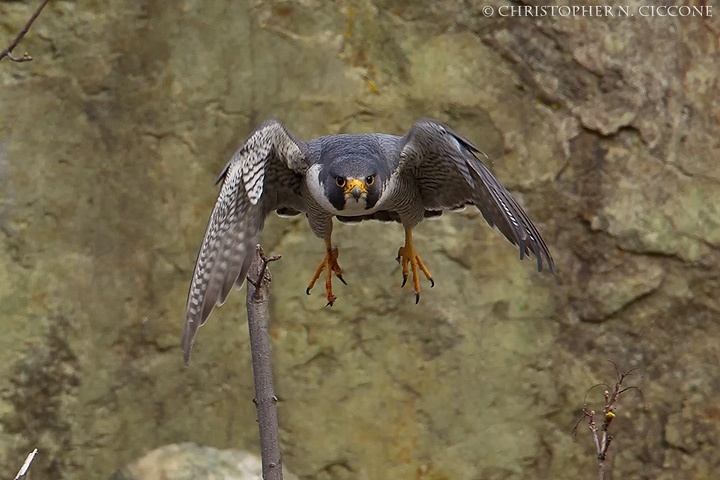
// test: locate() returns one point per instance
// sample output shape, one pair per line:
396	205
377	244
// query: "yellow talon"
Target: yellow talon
329	265
407	255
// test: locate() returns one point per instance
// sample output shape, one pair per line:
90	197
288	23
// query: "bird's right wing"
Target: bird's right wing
270	161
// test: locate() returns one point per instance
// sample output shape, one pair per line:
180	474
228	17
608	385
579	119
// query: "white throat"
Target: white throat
355	207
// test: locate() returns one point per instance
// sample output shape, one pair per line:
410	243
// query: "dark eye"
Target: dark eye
340	181
370	180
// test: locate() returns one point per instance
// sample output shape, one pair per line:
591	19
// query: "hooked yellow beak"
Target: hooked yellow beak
356	188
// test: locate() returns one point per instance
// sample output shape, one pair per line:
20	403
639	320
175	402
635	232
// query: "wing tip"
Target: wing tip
551	264
540	252
187	339
186	343
547	265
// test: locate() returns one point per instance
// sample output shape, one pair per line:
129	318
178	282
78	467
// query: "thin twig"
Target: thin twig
612	395
258	299
26	56
24	469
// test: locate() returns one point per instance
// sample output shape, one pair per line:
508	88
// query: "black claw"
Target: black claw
341	279
405	277
307	291
432	282
417	297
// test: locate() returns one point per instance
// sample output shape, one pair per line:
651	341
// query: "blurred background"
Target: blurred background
604	128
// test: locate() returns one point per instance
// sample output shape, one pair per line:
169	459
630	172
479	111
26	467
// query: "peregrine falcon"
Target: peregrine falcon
351	177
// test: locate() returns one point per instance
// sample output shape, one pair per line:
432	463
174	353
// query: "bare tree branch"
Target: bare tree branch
26	56
258	299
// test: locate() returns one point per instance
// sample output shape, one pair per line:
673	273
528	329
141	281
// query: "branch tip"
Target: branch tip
26	57
261	276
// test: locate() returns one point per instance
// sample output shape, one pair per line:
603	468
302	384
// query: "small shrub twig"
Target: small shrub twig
601	435
26	466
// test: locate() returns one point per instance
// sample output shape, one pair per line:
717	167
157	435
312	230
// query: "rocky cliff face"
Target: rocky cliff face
606	129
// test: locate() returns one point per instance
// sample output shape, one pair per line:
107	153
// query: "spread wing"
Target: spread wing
264	174
449	175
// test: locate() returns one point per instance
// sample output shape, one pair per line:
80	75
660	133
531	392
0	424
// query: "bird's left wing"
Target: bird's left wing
448	173
269	165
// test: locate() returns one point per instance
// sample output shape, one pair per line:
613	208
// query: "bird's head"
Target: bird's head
352	189
355	172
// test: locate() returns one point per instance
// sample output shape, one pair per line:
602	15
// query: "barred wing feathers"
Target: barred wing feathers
237	219
449	174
